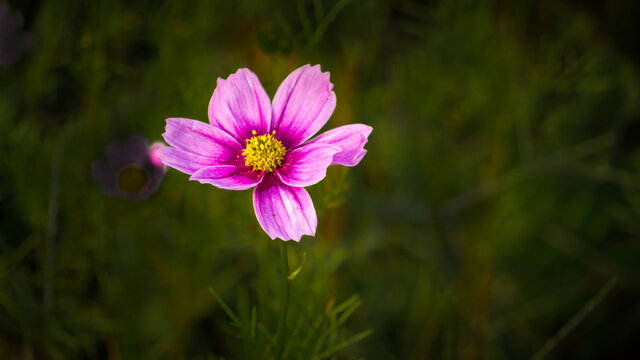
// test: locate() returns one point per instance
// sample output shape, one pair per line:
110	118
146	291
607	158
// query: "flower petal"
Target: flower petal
198	145
184	161
132	150
283	211
239	105
229	177
306	165
101	172
154	156
302	105
350	139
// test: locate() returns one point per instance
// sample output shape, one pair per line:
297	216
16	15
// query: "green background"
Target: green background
495	215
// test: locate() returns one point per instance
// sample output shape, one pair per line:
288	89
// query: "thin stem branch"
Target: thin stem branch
52	227
284	258
306	25
556	160
322	26
576	319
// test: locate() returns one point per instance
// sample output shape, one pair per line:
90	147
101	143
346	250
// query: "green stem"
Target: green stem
285	274
567	328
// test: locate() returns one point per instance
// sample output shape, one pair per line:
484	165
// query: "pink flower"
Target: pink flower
131	170
14	41
251	141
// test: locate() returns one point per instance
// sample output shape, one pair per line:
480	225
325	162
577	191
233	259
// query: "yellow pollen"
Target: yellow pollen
263	152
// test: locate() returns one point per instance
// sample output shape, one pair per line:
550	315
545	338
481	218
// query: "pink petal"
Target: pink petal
306	165
202	139
350	139
229	177
184	161
239	105
132	150
302	105
154	155
197	145
284	212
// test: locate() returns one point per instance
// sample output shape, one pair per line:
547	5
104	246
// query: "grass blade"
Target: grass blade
225	307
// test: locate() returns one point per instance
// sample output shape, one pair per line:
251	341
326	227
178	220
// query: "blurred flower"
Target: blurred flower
14	41
131	170
251	141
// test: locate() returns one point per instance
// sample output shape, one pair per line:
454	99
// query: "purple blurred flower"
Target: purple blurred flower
14	41
131	170
251	141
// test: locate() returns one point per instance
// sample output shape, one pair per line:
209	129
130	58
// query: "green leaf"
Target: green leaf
296	271
339	346
226	308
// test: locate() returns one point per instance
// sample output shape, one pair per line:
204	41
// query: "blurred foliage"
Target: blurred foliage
495	215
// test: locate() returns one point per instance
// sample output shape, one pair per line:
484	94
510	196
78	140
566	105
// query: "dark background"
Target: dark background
495	215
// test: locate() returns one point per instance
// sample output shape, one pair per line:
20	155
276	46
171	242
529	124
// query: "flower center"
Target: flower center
263	152
132	179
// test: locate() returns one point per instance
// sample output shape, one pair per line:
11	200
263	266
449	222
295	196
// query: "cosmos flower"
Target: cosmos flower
251	141
14	41
131	170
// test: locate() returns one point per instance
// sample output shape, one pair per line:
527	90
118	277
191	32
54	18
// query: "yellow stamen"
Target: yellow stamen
263	152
